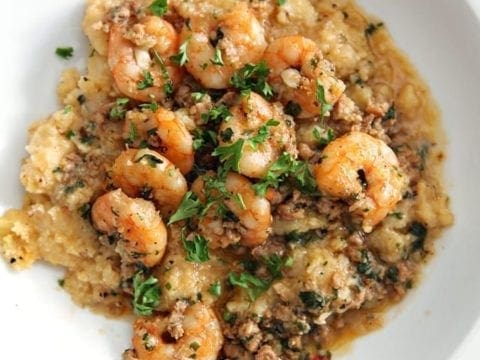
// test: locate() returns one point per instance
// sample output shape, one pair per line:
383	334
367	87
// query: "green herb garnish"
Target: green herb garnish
312	300
147	81
118	111
216	288
252	284
325	107
181	58
146	296
189	207
253	78
217	60
159	7
197	249
64	52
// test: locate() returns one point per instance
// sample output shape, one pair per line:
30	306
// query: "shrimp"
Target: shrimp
298	70
194	333
164	131
139	58
239	39
134	223
253	213
366	169
146	173
249	119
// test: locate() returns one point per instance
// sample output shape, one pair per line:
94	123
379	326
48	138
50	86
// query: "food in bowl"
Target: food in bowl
253	180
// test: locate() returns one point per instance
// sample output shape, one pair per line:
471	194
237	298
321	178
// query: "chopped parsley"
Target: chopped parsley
285	167
132	134
281	2
391	113
365	266
297	237
324	137
392	273
118	111
69	189
262	133
147	81
189	207
372	28
216	114
70	134
420	232
150	160
197	249
64	52
158	7
216	288
230	155
226	135
198	96
325	107
146	294
276	263
181	58
292	108
202	138
312	300
168	86
253	78
217	60
252	284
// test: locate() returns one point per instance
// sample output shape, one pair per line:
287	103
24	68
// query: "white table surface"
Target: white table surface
470	350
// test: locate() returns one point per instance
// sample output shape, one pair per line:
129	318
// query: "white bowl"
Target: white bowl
442	38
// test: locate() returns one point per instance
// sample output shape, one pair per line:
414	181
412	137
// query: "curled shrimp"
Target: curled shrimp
164	131
363	168
135	224
252	115
238	39
146	173
253	213
298	69
192	334
138	57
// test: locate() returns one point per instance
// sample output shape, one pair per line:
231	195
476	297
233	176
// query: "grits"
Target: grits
299	193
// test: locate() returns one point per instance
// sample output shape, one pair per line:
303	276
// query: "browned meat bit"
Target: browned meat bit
294	208
346	110
175	321
266	353
250	335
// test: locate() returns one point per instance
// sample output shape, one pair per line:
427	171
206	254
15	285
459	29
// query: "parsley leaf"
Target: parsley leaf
158	7
275	263
217	114
325	107
147	81
217	60
150	160
262	133
64	52
281	2
216	288
197	249
198	96
189	207
285	167
204	137
311	299
254	78
252	284
117	112
390	114
181	58
324	137
230	155
168	86
146	294
372	28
